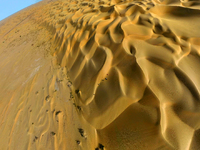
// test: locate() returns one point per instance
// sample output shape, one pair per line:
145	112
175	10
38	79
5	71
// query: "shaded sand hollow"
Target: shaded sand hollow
101	75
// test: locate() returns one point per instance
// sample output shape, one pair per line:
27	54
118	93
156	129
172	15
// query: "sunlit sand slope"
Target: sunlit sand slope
101	75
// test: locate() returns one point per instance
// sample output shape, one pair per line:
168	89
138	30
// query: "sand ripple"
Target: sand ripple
114	51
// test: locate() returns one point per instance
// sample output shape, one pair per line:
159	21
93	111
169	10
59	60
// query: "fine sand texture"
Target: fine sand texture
101	75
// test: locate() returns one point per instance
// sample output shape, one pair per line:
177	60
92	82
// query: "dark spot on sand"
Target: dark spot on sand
101	146
35	138
78	142
58	112
81	131
78	107
77	91
47	98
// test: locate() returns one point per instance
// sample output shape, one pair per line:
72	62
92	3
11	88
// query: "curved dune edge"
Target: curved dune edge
101	74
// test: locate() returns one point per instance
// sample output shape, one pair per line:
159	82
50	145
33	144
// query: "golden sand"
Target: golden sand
101	75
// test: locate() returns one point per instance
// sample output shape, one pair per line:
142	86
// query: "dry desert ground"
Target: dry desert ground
101	75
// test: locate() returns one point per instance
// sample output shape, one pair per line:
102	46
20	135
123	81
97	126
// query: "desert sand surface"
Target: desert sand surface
101	75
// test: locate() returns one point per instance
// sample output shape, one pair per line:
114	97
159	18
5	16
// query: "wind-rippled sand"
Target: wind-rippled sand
101	75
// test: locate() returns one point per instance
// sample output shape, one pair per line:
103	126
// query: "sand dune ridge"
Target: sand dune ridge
117	74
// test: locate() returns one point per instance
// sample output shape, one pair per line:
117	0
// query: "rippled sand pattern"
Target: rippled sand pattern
131	68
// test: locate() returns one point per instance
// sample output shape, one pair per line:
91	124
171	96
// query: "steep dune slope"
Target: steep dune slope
114	75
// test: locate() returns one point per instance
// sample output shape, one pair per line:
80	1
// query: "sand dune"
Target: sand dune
101	75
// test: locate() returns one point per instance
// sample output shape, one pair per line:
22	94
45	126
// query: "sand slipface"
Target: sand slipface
101	75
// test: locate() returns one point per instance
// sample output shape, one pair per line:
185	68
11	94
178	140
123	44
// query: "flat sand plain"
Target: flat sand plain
101	75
